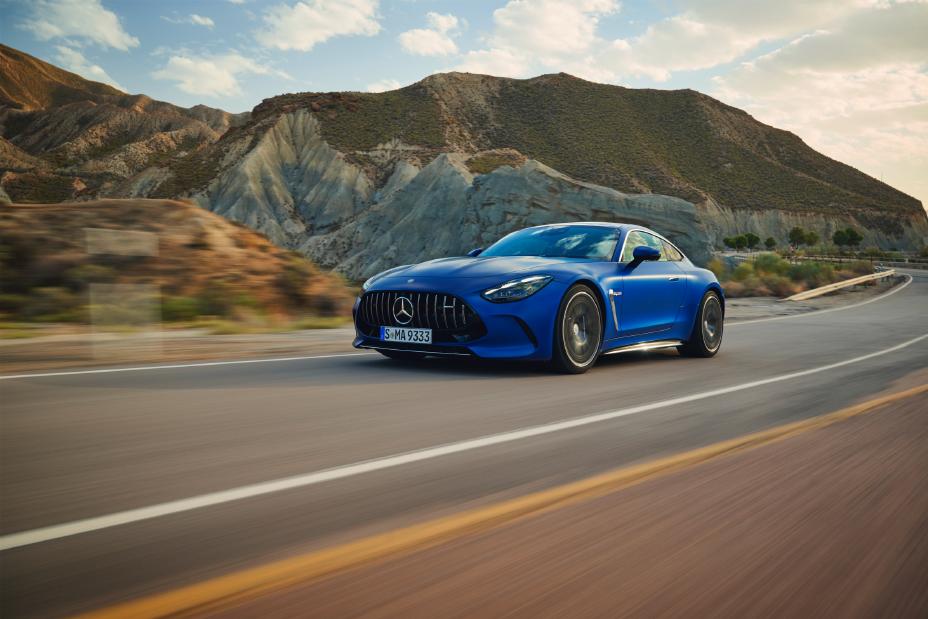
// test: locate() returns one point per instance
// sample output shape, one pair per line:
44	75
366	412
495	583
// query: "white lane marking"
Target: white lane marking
44	534
204	364
825	311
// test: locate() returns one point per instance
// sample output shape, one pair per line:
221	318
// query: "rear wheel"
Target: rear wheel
706	337
402	355
578	332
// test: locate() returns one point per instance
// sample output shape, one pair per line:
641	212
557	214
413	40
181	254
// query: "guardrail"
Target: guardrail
877	262
815	292
905	263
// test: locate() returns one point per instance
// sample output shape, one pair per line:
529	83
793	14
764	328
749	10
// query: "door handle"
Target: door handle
674	279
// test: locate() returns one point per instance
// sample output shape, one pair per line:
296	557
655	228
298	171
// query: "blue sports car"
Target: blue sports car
563	293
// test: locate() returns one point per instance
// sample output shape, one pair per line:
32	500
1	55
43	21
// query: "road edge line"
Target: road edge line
179	365
218	592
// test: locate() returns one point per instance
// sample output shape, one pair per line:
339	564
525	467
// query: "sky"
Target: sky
850	77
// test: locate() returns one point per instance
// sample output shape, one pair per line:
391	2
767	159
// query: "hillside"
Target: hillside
27	83
65	137
202	264
680	143
361	181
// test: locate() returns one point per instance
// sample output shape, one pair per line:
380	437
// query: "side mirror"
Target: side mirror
475	252
644	253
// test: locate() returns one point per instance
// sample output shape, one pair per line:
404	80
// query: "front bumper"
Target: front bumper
517	330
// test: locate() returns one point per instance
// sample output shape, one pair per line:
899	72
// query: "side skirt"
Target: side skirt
645	346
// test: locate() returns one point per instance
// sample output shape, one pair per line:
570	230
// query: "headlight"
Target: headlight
517	289
370	281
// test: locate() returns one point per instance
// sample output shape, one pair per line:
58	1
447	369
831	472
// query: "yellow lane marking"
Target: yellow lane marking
226	590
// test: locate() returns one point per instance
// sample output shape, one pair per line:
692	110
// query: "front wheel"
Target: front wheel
578	333
706	336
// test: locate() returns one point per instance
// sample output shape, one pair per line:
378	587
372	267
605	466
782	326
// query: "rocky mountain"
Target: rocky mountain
64	137
362	181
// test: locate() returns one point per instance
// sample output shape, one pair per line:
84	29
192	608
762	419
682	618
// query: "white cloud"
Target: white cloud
501	62
73	60
549	28
857	91
713	32
78	20
212	76
383	86
201	21
193	18
435	40
304	24
236	1
442	22
676	44
546	34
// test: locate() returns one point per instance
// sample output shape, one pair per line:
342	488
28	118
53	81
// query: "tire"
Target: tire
578	332
402	355
708	327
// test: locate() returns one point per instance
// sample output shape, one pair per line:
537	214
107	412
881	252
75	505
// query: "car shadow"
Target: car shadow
488	368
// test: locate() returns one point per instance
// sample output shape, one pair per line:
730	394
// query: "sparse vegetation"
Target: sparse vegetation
847	238
747	240
360	120
484	163
33	188
799	237
47	276
672	143
770	275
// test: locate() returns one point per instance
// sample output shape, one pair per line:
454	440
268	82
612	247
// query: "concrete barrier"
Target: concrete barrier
815	292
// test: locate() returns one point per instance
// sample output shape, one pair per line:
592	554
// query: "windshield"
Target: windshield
590	242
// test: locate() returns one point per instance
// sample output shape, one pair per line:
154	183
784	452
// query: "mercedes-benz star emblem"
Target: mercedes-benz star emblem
402	310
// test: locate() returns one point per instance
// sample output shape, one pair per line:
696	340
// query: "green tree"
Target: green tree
729	242
741	241
797	236
770	243
751	240
853	237
840	238
812	238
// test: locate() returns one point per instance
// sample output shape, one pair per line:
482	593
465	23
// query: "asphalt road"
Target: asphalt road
830	522
182	457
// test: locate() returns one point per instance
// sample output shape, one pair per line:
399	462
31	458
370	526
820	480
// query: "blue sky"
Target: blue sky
849	76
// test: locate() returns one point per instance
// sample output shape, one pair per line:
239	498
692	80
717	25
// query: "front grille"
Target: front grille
449	318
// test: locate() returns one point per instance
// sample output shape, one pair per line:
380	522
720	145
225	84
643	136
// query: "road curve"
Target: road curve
83	447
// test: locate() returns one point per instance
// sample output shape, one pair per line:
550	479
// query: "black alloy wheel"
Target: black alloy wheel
706	336
578	333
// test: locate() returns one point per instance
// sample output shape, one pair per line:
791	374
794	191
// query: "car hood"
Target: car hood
501	266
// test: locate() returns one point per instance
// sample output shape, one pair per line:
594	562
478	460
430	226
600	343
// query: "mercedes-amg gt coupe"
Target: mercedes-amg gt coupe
561	293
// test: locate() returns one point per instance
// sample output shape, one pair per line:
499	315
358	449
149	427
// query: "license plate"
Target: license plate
404	334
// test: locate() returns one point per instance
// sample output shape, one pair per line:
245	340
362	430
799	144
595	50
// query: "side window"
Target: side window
656	243
671	252
633	240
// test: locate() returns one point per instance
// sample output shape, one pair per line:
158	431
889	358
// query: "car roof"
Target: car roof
601	224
